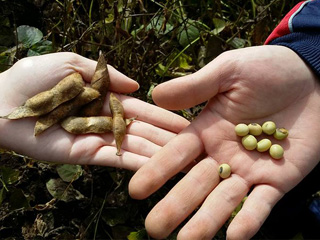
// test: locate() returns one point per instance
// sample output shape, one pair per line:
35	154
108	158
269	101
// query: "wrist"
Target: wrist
3	108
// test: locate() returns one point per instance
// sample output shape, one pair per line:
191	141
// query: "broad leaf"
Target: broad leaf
188	33
40	48
17	199
238	42
9	175
139	235
219	25
63	191
69	172
28	35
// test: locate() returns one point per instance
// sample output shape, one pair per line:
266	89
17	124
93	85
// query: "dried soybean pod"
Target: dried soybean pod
100	82
46	101
119	124
65	109
83	125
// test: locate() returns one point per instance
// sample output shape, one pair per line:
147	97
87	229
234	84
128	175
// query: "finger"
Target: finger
76	149
46	70
118	81
215	210
134	152
150	132
187	91
181	201
167	162
99	149
254	212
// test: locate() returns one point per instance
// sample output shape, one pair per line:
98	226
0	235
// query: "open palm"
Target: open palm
29	76
251	85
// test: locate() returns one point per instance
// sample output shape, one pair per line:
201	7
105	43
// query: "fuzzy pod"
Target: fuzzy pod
100	82
116	106
119	128
65	109
46	101
119	124
83	125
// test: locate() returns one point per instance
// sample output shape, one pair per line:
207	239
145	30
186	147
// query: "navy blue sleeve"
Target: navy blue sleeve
304	34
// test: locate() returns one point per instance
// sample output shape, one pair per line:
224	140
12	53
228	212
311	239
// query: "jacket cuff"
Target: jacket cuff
305	44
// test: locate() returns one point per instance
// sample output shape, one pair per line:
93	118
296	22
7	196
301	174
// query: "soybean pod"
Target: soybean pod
100	82
118	123
46	101
65	109
83	125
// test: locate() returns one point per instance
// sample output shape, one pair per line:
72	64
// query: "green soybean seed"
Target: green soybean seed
255	129
263	145
241	129
249	142
276	151
281	133
269	127
224	170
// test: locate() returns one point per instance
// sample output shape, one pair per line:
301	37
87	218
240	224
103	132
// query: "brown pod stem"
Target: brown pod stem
100	82
83	125
65	109
46	101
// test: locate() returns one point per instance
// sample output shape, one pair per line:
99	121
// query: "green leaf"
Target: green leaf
69	172
183	62
160	69
63	191
238	42
109	19
116	216
17	199
9	175
219	25
158	25
149	94
28	35
188	33
139	235
40	48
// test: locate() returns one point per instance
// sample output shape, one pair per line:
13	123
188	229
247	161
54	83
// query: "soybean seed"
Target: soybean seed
263	145
241	129
255	129
280	133
269	127
249	142
224	170
276	151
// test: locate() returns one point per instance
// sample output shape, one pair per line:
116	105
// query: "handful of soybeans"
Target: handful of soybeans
251	131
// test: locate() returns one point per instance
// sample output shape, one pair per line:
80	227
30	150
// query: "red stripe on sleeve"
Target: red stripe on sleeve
283	27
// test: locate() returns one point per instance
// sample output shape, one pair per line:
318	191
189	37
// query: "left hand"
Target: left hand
29	76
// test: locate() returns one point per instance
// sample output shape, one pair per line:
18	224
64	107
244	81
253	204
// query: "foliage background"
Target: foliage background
151	42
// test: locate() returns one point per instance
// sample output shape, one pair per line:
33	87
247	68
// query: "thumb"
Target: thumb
185	92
